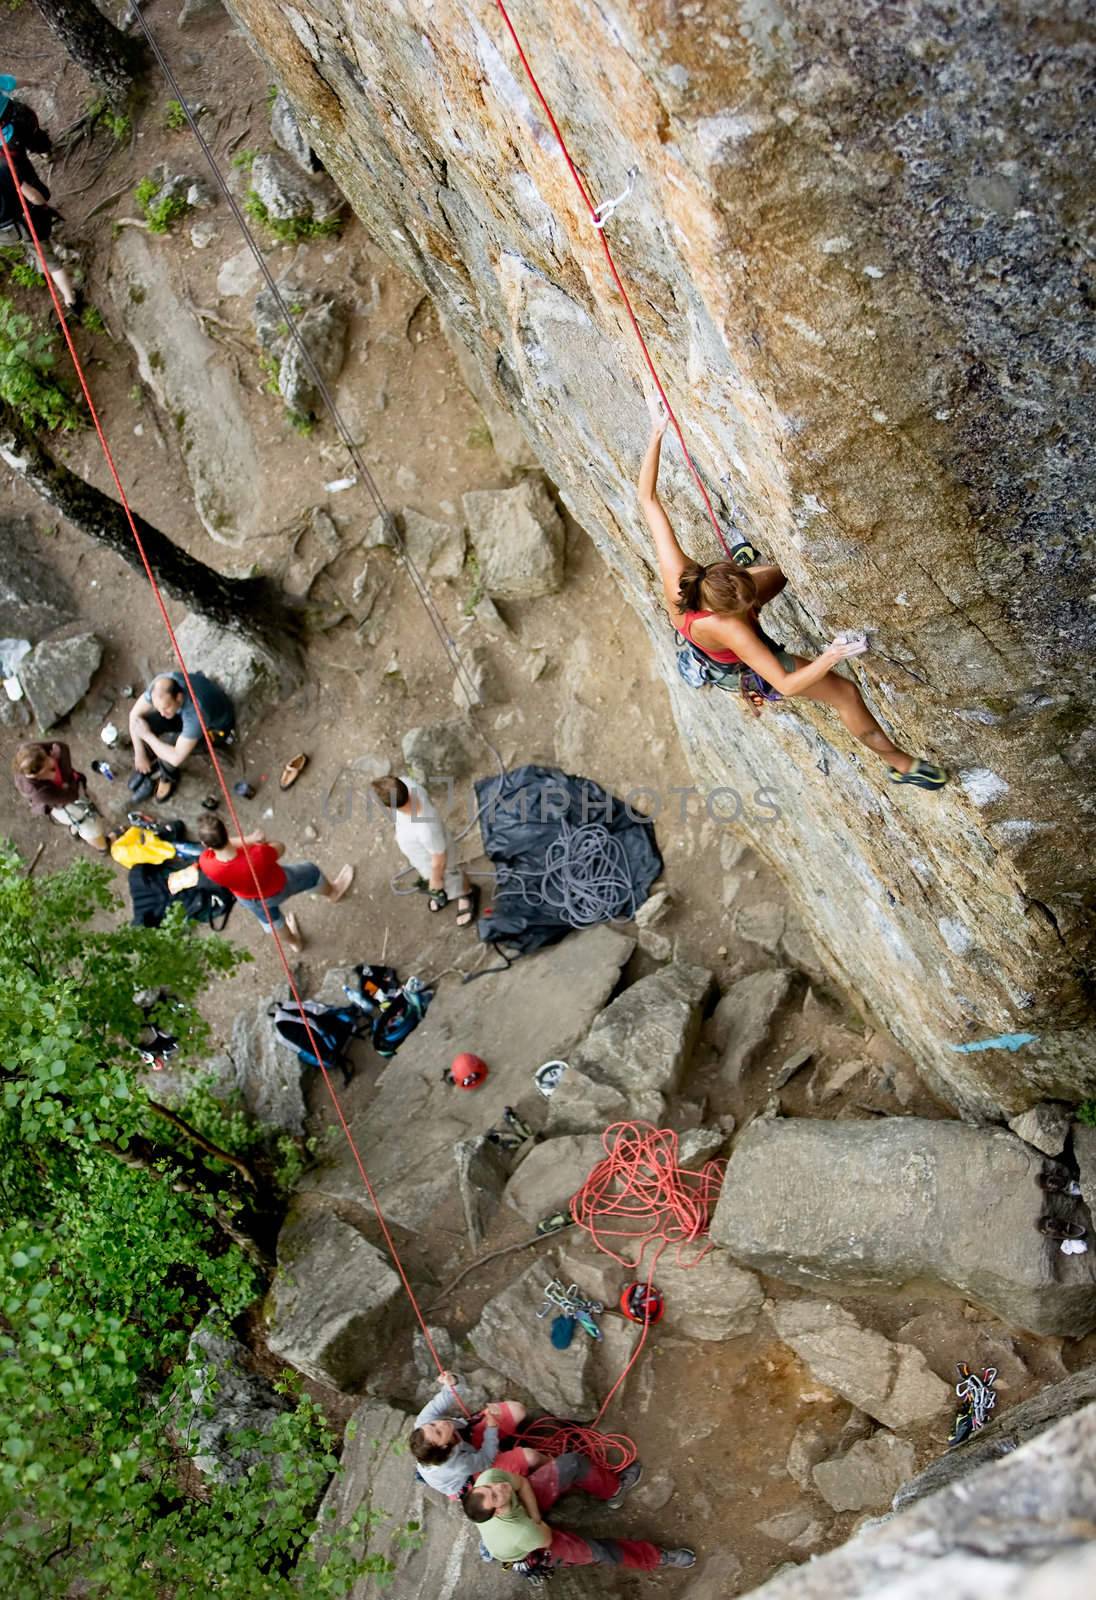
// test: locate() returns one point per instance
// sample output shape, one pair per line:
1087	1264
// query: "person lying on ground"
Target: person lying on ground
45	776
511	1513
240	864
716	608
164	725
451	1449
425	842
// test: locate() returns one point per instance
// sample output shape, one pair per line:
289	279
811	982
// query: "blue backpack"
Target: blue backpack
333	1028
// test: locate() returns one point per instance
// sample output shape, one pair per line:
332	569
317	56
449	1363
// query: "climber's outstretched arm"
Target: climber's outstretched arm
672	560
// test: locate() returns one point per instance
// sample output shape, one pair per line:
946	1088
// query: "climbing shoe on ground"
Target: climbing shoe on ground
682	1557
744	554
1060	1230
923	775
626	1482
554	1223
1058	1182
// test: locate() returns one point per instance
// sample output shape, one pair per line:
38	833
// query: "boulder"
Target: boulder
1045	1126
867	1476
482	1171
435	548
477	682
442	750
712	1300
807	1449
635	1054
433	1549
698	1145
333	1301
315	547
34	599
551	1173
251	674
510	1338
538	1011
287	133
743	1020
891	1382
761	923
196	11
907	1200
228	1400
57	674
322	329
287	193
518	537
267	1073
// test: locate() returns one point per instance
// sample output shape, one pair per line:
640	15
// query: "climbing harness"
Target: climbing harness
977	1398
572	1303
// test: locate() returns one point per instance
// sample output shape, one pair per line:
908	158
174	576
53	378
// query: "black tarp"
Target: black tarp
525	817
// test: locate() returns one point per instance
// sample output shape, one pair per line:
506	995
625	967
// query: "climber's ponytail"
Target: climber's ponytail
722	588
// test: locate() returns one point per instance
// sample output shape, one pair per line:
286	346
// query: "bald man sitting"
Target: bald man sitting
165	727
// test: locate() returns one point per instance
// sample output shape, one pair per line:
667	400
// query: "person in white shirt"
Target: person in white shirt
425	842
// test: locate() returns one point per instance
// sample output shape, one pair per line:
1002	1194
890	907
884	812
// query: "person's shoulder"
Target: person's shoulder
493	1475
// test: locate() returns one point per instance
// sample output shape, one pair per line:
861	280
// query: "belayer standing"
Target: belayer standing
716	608
20	131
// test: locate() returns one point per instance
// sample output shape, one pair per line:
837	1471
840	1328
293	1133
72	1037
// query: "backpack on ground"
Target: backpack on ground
333	1029
151	898
393	1009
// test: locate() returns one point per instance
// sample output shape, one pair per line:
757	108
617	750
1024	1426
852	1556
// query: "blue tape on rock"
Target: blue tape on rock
1004	1041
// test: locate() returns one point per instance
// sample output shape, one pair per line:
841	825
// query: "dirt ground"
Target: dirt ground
571	682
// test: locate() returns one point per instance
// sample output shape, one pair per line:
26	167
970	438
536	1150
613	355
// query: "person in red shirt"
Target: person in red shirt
236	865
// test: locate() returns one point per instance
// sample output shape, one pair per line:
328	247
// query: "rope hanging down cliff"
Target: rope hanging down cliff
599	215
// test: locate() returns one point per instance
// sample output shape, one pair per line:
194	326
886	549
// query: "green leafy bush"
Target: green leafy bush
174	116
160	214
19	269
291	230
1086	1113
27	383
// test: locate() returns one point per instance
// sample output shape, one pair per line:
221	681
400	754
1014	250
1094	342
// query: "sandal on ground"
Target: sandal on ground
1060	1230
468	908
164	790
292	771
438	899
341	883
923	775
1058	1182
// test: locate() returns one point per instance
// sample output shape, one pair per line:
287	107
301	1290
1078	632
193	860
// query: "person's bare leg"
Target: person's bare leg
291	933
845	698
63	280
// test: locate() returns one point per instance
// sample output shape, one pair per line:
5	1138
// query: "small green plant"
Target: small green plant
19	269
174	116
119	124
160	213
479	436
244	159
27	383
472	567
271	93
1086	1113
137	395
91	318
302	423
291	230
272	367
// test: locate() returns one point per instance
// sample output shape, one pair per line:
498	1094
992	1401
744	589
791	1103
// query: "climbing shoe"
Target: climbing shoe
625	1483
682	1557
744	554
554	1223
923	775
964	1427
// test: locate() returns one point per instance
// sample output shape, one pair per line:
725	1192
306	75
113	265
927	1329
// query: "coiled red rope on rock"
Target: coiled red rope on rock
639	1192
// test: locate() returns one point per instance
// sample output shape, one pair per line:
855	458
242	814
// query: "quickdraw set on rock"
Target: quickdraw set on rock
977	1399
572	1307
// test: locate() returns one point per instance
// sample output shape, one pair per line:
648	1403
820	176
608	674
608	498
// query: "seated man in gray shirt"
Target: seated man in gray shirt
450	1449
165	727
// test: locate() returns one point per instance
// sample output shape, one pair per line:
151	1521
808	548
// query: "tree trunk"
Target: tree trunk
94	43
249	606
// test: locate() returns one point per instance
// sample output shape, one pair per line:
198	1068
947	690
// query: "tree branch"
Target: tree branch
199	1139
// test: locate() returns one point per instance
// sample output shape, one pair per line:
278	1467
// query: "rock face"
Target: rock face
551	1173
228	1400
441	1562
287	193
635	1054
57	674
1046	1126
905	1199
33	598
518	539
509	1338
268	1074
333	1300
813	246
442	750
254	678
891	1382
1019	1529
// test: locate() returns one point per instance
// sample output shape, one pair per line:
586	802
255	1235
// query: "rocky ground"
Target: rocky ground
771	1419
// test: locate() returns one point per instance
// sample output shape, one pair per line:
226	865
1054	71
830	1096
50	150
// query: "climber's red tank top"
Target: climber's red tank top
726	658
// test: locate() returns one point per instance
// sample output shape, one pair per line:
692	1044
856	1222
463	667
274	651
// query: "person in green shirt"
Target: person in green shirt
510	1512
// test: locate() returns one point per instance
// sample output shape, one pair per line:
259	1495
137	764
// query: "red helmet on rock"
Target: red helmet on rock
467	1071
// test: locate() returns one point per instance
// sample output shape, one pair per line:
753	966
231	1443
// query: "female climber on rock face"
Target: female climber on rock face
716	609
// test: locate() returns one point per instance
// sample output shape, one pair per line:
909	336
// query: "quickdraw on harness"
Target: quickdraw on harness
977	1398
536	1567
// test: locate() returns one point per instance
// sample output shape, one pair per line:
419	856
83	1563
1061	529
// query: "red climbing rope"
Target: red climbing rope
596	219
211	749
640	1193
